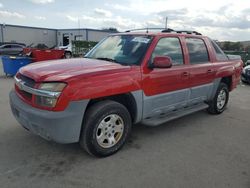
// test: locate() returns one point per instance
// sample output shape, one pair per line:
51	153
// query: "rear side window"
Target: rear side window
171	47
7	46
15	46
197	51
220	56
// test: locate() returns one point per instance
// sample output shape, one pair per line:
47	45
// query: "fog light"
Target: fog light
46	101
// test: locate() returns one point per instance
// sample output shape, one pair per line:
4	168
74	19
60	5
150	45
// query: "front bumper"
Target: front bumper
61	127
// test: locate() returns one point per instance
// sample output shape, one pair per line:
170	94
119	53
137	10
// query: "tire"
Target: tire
106	127
220	100
245	82
67	55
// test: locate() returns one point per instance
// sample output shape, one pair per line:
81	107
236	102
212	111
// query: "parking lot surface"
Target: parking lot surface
199	150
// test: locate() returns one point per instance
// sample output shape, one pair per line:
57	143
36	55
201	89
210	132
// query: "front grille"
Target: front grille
26	95
28	82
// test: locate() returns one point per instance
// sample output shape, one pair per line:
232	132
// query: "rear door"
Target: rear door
202	71
166	89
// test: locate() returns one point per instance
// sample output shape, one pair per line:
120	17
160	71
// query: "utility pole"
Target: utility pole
79	26
2	35
166	23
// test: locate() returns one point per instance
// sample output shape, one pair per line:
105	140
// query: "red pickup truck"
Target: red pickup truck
127	78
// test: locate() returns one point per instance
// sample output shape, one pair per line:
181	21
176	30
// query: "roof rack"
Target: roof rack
164	30
145	29
180	31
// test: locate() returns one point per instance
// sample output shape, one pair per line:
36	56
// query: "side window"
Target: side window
171	47
220	56
7	46
15	46
197	51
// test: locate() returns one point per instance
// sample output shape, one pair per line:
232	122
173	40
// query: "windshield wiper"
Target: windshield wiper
111	60
107	59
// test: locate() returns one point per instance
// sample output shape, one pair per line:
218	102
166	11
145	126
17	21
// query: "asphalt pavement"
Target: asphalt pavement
196	151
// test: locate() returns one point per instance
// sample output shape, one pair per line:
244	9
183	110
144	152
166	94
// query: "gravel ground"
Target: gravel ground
199	150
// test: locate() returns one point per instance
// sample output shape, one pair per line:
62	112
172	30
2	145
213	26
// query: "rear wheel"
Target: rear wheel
106	127
220	100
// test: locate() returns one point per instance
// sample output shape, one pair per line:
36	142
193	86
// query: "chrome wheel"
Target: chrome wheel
221	99
110	131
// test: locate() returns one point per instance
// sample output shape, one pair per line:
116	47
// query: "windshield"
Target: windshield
122	49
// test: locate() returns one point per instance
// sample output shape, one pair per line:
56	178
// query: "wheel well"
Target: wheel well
228	81
67	52
125	99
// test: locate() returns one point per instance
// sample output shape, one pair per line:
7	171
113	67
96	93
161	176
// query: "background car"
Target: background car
245	75
11	49
247	63
67	49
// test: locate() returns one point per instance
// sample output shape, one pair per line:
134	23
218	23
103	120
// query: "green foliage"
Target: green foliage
113	29
80	48
234	46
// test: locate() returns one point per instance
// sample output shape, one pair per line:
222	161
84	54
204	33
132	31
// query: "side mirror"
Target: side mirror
162	62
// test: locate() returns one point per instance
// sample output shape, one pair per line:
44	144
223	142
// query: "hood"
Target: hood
64	69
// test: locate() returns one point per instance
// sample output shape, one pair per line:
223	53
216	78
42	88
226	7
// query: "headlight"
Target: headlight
244	71
53	87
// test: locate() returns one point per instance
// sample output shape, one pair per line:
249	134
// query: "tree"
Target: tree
232	46
227	45
247	48
113	29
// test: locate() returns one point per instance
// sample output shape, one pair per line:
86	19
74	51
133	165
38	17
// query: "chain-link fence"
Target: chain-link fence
80	48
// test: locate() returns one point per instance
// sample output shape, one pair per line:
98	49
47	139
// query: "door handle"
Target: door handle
209	71
185	74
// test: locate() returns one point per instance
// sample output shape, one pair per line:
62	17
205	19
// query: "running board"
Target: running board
174	115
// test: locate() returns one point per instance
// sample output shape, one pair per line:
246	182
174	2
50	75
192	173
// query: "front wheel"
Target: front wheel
106	127
220	100
67	55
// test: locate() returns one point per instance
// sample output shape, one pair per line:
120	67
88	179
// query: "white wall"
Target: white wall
72	33
97	35
87	34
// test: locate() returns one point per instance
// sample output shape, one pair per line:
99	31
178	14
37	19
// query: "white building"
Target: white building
49	37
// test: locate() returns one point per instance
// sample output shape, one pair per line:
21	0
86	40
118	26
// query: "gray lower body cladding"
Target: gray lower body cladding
61	127
65	126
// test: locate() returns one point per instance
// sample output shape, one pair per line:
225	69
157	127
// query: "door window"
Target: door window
197	50
220	56
171	47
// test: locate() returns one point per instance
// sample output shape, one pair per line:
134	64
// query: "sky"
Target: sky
219	19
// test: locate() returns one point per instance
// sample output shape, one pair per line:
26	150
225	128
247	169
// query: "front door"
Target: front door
166	89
